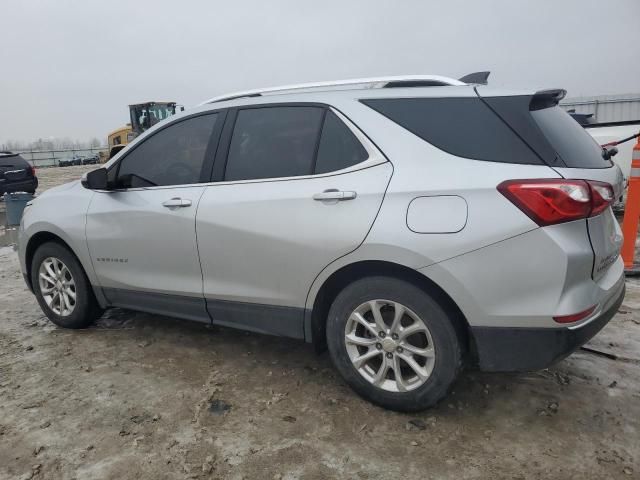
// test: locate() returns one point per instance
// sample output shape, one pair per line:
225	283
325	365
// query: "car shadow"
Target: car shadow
531	395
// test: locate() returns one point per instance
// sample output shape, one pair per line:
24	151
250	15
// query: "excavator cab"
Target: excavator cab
146	115
143	117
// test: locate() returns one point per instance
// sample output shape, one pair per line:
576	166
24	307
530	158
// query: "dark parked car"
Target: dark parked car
16	174
92	160
75	160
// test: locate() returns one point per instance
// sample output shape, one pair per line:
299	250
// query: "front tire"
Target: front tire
62	288
393	343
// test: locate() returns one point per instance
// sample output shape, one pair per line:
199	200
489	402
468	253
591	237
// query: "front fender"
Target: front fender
60	212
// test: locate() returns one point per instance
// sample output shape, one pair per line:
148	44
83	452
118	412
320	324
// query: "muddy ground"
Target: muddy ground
147	397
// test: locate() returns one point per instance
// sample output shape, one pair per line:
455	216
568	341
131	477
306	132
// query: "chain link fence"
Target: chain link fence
52	158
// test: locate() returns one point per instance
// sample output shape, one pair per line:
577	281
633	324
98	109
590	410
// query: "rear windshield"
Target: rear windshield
11	160
465	127
576	148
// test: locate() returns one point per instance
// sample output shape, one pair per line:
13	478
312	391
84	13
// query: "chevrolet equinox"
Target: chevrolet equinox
411	225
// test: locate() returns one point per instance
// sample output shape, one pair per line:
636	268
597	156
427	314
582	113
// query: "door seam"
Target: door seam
195	229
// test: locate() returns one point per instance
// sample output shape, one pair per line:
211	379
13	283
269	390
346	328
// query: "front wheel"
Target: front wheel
62	288
393	343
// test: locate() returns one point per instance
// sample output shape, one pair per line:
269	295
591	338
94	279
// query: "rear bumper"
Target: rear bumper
521	349
29	185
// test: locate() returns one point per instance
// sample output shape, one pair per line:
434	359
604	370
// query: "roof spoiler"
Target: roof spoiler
546	98
476	78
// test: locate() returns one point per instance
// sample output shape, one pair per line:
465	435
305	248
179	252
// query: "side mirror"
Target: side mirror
96	180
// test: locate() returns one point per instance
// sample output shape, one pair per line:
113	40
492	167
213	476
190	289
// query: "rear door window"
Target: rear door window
572	143
273	142
465	127
339	148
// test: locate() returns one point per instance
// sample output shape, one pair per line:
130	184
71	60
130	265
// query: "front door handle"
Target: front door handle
335	195
177	202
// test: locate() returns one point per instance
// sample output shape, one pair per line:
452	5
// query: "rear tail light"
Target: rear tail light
601	197
33	171
552	201
575	316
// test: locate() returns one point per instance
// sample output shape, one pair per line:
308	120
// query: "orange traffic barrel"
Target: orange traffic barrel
632	212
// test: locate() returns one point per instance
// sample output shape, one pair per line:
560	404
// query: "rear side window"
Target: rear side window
339	148
173	156
272	142
464	127
572	143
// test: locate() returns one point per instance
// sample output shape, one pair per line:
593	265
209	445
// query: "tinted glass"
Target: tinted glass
339	148
12	160
273	142
173	156
569	139
464	127
13	168
514	110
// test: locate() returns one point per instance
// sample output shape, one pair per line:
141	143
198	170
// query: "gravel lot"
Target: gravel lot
147	397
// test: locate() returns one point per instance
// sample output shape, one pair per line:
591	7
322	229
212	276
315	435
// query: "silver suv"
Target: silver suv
411	225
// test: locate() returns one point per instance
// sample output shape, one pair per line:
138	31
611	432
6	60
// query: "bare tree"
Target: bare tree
64	143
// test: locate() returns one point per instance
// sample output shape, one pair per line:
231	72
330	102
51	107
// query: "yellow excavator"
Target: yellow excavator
143	117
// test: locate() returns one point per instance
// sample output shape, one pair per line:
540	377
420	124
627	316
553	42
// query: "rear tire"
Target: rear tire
62	288
428	361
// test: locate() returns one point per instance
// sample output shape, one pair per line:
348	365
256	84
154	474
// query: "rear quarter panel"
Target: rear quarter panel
420	170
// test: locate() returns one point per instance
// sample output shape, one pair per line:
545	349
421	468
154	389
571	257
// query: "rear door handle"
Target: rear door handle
177	202
336	195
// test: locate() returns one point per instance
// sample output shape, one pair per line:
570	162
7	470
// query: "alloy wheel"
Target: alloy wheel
57	286
389	345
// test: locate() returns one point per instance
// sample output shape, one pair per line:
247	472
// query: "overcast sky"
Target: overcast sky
70	68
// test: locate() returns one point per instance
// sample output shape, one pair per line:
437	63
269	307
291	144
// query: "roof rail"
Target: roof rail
375	82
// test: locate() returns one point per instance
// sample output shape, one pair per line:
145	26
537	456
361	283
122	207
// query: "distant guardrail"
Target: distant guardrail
52	158
606	108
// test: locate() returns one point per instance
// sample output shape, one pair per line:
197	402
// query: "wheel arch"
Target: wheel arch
38	239
43	236
338	280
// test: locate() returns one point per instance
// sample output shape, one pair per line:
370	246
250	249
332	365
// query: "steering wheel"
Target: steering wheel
181	171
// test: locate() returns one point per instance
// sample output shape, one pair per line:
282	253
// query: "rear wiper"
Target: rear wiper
609	152
609	149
